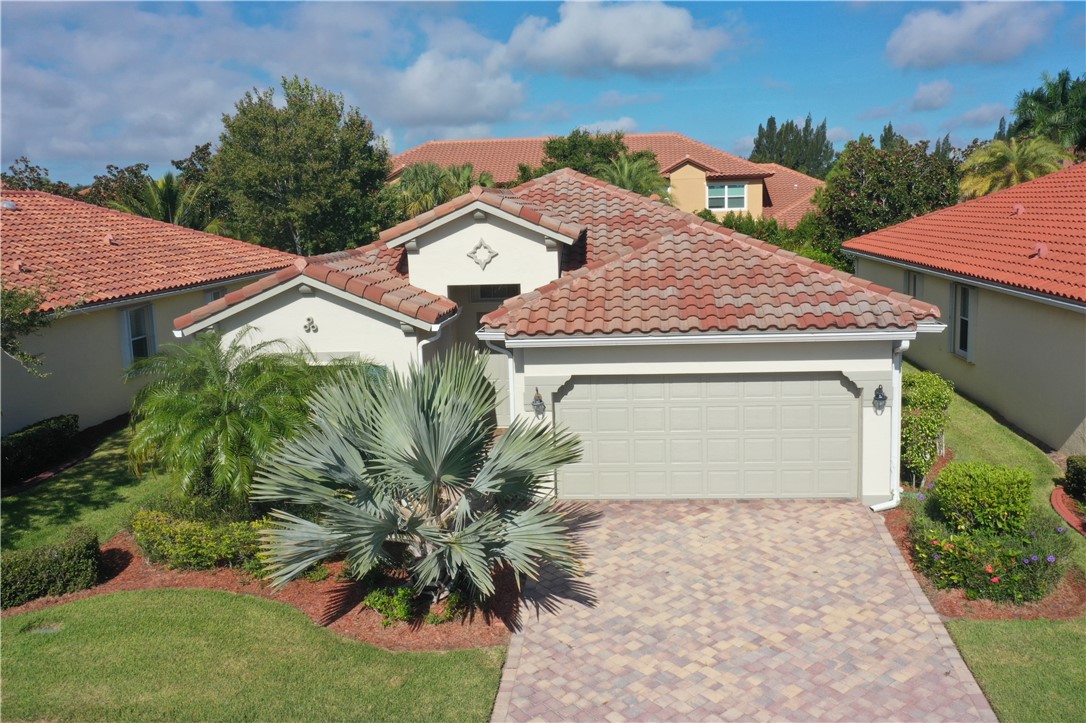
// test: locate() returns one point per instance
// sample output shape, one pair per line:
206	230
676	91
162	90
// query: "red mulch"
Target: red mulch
1069	509
1068	600
332	603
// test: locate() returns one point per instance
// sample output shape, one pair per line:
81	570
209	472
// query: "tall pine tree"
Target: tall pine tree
805	149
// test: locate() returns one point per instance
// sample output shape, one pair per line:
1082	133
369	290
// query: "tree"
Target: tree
1001	132
423	186
944	149
462	178
171	201
213	410
408	473
637	173
581	150
301	177
806	149
20	315
196	168
870	188
26	177
1002	164
890	139
1056	110
116	184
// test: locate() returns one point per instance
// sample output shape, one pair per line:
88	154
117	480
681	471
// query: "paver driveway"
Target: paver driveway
737	610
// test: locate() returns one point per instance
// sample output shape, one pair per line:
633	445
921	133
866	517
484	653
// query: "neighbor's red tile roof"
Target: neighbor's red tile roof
79	254
500	156
1031	236
790	194
654	269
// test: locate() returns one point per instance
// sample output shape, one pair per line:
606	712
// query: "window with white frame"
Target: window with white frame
965	310
139	333
212	294
914	284
727	196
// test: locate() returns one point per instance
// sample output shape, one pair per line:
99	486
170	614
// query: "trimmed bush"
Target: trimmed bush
73	565
1074	483
194	545
394	604
926	390
973	496
36	448
925	398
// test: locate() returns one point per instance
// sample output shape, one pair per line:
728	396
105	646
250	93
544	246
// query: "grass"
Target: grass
1030	670
205	655
99	492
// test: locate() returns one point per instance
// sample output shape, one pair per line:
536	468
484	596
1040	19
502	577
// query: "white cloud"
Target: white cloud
912	131
613	98
641	39
931	96
982	115
743	146
975	33
625	124
837	134
882	111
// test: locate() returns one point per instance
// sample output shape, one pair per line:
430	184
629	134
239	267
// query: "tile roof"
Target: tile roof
790	194
1031	236
79	254
651	268
500	156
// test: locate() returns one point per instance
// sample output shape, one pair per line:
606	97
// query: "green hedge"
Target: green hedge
196	545
36	448
51	569
925	398
984	497
1075	481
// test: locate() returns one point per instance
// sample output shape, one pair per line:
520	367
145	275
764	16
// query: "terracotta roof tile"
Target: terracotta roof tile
790	194
78	253
1031	236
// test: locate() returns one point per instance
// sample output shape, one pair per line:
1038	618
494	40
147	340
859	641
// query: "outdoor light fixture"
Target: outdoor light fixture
879	400
538	405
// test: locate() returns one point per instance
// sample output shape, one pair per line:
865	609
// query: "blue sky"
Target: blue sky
88	84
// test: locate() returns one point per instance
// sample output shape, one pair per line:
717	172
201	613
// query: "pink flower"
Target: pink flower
989	570
995	579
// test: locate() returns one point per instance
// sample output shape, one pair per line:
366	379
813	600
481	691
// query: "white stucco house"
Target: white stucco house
1009	272
115	282
694	362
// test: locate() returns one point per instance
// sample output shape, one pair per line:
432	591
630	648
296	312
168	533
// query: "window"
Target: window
914	285
495	292
139	336
965	309
728	196
212	294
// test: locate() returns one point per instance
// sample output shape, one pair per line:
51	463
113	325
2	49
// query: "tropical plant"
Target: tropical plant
21	314
462	178
423	186
581	150
1055	110
1002	164
407	472
170	200
213	409
638	173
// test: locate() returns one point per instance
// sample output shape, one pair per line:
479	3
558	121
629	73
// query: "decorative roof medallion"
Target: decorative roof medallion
482	254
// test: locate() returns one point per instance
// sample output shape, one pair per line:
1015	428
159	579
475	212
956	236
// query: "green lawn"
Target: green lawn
204	655
1031	670
99	492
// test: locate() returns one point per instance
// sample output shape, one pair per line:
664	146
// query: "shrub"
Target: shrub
977	496
455	607
51	569
37	447
1074	483
195	545
925	398
394	604
926	390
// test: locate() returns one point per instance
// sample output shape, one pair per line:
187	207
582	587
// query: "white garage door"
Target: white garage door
743	436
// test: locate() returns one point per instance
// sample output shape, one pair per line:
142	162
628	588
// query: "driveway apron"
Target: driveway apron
736	610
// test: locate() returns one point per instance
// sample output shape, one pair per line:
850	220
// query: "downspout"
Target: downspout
895	434
425	342
511	366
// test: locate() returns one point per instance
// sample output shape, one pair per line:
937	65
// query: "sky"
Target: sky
83	85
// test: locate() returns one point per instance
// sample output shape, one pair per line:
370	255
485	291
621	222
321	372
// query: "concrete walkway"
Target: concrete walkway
736	610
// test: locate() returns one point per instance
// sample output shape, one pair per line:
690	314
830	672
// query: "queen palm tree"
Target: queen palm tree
424	186
462	178
1056	110
638	172
172	201
1002	164
409	470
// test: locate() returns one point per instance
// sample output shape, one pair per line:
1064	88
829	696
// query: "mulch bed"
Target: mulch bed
331	603
1069	509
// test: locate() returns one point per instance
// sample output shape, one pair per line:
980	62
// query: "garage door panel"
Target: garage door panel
743	436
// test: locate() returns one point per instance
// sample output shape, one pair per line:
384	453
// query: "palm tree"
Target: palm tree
462	178
212	410
639	173
171	201
1002	164
424	186
408	471
1056	110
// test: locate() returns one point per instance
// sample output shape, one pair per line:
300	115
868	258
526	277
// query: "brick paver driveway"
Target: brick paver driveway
737	610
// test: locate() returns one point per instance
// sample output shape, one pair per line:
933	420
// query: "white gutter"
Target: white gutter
512	370
438	328
755	337
895	435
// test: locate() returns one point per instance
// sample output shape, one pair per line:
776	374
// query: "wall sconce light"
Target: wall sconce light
537	404
879	400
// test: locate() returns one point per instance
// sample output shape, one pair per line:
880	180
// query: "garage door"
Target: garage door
743	436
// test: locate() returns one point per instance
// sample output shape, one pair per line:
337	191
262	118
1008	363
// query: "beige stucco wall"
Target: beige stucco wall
866	364
1028	363
442	257
689	191
84	358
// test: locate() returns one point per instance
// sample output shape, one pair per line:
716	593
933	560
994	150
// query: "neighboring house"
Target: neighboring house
692	361
119	280
1009	271
700	176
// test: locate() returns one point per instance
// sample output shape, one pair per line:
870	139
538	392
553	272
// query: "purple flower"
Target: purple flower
921	497
1059	530
1051	558
1025	560
1032	533
1033	557
936	556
